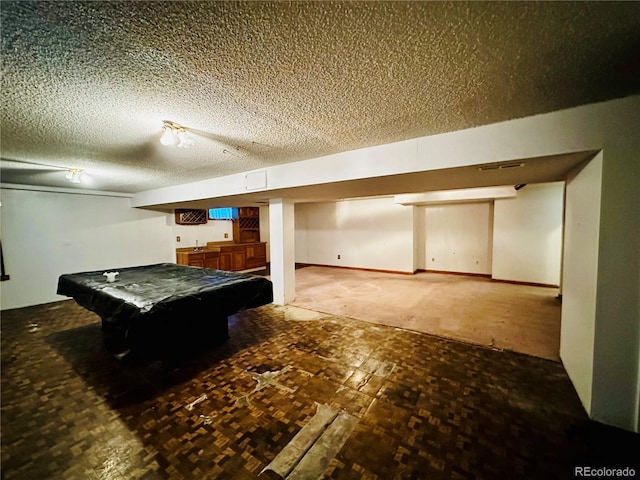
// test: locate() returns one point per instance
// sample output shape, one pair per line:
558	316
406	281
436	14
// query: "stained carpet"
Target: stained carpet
519	318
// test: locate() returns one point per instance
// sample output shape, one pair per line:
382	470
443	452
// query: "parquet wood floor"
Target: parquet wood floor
425	407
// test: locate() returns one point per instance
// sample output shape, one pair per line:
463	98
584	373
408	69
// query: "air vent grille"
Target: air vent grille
501	166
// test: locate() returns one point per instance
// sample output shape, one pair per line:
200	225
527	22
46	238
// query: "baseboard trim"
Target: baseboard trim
354	268
419	270
464	274
499	280
530	284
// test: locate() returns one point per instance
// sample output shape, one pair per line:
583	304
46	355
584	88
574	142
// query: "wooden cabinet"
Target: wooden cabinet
256	255
196	260
234	257
225	261
193	259
212	260
246	228
225	256
239	258
202	258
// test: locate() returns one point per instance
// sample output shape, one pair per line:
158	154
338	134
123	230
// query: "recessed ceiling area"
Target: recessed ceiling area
87	85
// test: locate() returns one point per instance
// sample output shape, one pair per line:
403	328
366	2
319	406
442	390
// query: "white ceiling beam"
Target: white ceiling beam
456	196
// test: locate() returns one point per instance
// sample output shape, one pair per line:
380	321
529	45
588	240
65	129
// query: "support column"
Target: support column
600	330
282	249
616	350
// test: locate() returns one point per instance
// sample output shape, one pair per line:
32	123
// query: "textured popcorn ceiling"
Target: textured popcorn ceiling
87	84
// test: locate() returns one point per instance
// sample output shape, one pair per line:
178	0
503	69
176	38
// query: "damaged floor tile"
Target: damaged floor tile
308	454
207	419
317	459
379	368
198	400
264	380
269	378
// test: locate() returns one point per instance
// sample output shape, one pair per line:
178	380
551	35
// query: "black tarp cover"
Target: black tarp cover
165	290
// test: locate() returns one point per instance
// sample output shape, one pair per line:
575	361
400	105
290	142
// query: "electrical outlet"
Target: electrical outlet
226	235
338	257
178	239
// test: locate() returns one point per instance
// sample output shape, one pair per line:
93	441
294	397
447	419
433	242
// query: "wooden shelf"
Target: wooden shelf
246	228
190	217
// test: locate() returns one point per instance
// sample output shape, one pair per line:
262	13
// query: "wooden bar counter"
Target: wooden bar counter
224	256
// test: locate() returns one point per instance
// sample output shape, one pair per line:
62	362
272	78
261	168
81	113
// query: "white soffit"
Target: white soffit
456	196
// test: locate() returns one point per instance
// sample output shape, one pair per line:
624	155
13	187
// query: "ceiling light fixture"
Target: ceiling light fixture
76	175
175	135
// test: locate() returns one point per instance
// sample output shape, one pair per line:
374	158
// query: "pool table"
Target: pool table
166	305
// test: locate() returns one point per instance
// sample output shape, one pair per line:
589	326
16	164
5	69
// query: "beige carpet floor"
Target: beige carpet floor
476	310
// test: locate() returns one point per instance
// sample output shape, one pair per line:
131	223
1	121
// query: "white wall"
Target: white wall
301	213
527	235
458	237
419	232
46	234
371	233
212	231
580	277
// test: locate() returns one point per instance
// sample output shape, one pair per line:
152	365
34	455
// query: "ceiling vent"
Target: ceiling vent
501	166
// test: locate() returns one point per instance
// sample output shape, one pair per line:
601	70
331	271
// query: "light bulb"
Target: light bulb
184	139
175	135
76	175
169	137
